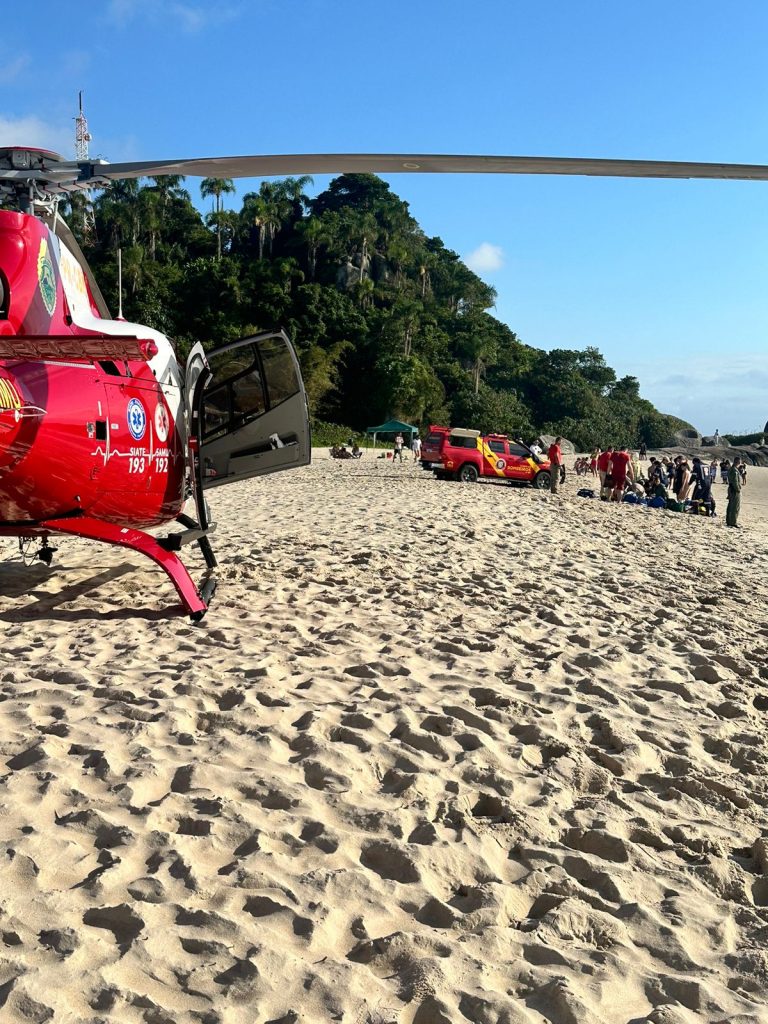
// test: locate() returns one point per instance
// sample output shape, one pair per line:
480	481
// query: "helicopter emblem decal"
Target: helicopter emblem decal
137	419
162	423
46	278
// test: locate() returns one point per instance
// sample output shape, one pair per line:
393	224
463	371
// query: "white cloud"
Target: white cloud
191	19
12	69
485	258
188	17
123	11
33	132
725	392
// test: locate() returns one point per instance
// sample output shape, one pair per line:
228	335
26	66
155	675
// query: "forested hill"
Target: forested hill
386	321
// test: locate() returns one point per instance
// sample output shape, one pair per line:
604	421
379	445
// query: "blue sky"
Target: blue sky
667	278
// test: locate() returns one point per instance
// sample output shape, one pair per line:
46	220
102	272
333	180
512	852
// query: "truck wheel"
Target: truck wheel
468	474
542	480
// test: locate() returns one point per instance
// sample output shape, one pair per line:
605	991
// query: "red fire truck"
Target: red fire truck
467	457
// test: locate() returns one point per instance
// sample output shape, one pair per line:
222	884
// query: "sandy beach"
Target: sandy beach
438	753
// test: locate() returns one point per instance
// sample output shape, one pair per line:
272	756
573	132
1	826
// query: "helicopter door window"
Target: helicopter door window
236	394
279	370
248	396
216	412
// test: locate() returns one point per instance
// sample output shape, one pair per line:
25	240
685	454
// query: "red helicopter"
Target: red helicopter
103	435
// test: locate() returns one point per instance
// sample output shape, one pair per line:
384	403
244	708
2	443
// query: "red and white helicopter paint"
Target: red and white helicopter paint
103	435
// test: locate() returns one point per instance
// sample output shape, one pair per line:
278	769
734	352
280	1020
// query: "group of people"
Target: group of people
669	482
340	451
399	448
693	482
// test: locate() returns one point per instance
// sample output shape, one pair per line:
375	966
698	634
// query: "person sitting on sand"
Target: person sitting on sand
660	490
357	451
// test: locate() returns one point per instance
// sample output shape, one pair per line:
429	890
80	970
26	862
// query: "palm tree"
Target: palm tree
77	211
258	212
151	211
226	223
120	208
216	187
364	292
315	233
267	210
293	188
169	187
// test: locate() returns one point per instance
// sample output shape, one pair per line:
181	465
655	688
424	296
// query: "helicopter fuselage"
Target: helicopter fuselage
82	430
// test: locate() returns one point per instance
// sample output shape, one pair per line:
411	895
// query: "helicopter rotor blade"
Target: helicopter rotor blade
384	163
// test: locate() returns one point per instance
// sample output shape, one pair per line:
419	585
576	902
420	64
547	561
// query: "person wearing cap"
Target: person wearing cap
734	494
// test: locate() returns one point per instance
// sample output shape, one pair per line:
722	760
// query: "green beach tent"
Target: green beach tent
393	427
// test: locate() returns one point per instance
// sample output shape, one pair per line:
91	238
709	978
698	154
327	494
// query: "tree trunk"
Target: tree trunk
218	227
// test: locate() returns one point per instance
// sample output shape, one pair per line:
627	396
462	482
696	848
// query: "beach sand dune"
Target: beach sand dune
439	753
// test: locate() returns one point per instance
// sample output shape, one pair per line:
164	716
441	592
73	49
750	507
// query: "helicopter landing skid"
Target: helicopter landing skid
195	602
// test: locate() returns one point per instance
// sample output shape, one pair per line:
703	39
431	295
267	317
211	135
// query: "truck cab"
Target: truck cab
493	457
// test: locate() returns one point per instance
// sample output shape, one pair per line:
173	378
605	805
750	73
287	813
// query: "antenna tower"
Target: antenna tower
82	135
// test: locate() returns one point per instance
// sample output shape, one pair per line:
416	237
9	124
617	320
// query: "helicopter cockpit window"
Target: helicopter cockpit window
279	370
236	393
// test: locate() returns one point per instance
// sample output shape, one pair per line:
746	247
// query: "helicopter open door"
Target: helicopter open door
247	410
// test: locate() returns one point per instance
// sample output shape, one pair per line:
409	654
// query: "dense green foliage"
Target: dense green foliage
756	438
386	321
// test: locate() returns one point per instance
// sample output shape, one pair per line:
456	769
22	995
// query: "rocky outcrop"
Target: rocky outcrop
545	440
753	454
687	438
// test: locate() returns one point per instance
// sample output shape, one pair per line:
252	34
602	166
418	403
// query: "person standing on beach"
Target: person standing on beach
621	471
635	463
555	456
682	478
398	452
734	494
604	467
416	448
